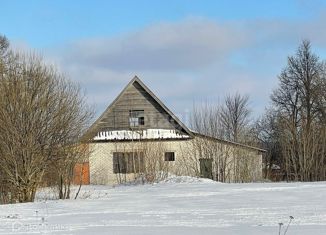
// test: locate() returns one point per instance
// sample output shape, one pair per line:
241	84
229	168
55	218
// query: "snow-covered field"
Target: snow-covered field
181	205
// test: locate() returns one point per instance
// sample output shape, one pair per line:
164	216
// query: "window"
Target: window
128	162
169	156
136	118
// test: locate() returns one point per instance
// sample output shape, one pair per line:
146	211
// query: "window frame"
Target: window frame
169	156
128	162
136	117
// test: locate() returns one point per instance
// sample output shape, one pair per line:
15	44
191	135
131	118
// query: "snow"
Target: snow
186	179
139	134
178	205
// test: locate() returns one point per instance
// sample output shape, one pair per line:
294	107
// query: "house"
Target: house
138	137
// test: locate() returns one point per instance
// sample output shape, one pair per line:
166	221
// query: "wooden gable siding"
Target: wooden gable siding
136	98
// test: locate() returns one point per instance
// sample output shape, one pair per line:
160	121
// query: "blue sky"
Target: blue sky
186	51
45	23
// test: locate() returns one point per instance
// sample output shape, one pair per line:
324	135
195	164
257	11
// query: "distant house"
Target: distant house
137	136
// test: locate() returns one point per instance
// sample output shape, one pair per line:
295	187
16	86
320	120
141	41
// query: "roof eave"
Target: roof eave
230	142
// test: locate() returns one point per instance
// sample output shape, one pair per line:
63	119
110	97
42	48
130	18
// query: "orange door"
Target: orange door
81	173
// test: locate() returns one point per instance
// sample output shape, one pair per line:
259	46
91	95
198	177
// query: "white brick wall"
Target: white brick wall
186	160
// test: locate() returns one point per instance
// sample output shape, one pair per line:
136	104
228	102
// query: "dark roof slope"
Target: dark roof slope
228	142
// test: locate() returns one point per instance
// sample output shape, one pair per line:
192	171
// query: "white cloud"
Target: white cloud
189	60
188	44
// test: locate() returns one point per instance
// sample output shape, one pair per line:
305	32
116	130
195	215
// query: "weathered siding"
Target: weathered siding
136	98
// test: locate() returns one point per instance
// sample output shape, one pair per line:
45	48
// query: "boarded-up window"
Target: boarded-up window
169	156
136	118
128	162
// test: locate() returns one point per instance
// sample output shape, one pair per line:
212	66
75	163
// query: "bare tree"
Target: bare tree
205	119
267	133
157	168
235	117
41	113
228	121
61	172
301	104
4	45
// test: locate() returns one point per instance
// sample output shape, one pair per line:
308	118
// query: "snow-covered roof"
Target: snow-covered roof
140	134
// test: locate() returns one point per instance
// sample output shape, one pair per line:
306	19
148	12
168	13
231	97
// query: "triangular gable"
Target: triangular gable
137	87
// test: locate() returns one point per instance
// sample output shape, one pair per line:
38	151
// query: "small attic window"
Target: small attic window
136	118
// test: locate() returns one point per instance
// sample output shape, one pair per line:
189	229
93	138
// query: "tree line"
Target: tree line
293	128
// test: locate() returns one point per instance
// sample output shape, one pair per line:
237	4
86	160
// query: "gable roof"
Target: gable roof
94	127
